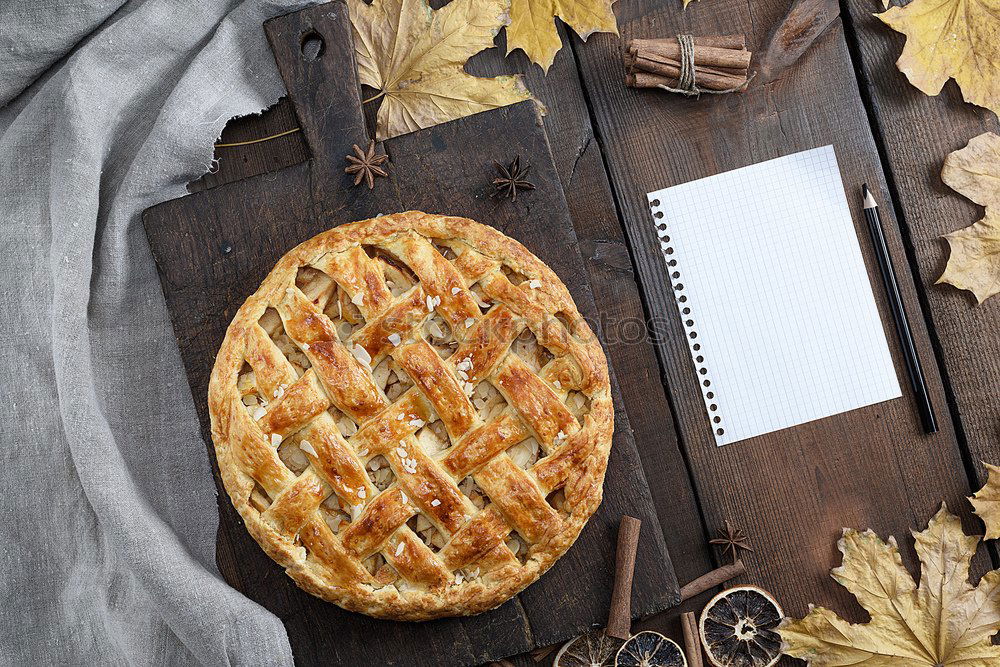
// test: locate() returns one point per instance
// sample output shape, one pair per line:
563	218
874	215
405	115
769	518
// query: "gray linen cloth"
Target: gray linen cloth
108	516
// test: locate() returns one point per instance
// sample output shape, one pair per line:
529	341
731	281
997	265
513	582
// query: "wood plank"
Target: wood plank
184	245
794	489
917	132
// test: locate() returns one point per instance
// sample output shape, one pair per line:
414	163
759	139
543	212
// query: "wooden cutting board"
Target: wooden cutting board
213	248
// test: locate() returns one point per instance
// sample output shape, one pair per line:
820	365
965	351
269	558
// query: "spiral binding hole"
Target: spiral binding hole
675	274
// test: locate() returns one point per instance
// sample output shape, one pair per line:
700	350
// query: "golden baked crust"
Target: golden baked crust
411	416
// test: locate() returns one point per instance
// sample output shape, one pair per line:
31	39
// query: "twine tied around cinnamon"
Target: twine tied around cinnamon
687	83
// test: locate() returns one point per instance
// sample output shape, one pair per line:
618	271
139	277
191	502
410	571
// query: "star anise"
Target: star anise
365	166
511	179
734	540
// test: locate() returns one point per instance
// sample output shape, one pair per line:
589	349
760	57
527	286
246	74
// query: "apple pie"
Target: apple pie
411	416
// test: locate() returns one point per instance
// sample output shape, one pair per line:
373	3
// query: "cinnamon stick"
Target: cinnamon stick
719	41
708	82
692	639
703	55
705	77
712	579
632	58
620	615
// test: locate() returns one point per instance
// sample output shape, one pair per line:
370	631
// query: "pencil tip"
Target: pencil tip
869	200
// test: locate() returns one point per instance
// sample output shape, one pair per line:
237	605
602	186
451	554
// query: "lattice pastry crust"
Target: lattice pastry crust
411	416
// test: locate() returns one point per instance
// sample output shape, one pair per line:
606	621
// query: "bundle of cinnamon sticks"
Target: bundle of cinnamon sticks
721	63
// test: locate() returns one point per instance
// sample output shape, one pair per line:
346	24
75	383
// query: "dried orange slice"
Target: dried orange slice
650	649
594	649
737	628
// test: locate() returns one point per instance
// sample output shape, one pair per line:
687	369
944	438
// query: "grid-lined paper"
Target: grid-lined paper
774	295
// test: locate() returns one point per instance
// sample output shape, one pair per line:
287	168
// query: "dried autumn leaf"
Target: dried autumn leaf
957	39
974	171
533	25
944	621
974	263
986	501
414	55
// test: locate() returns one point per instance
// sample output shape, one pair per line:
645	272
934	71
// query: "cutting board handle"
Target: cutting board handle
314	50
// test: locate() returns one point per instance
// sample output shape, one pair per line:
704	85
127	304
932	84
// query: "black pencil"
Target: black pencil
913	367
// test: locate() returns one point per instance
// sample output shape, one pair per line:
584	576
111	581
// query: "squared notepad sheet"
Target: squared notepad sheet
774	295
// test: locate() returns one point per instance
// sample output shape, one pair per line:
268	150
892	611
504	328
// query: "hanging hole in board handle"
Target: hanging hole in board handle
312	45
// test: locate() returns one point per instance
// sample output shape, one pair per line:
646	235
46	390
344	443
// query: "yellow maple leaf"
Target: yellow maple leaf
945	39
414	56
986	501
533	25
944	621
974	262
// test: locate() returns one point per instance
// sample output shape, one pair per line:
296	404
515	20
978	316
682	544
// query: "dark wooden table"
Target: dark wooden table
792	491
